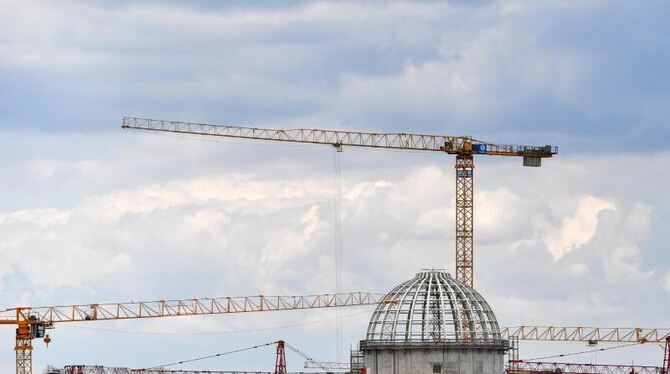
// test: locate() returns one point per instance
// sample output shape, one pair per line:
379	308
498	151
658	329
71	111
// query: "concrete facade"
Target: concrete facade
434	360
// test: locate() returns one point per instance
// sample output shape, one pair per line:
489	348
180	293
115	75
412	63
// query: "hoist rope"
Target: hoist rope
305	356
584	352
337	226
212	356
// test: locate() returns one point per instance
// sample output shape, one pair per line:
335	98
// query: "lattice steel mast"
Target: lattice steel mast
463	147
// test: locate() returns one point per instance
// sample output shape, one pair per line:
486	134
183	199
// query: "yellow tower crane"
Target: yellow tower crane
32	322
463	147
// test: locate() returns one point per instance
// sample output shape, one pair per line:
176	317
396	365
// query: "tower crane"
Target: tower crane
463	147
32	322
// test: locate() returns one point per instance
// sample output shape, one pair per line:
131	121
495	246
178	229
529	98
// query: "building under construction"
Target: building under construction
433	323
430	324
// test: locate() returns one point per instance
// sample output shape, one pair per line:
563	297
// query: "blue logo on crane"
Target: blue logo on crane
479	148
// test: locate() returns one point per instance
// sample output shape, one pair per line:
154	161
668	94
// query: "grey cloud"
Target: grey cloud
554	72
564	73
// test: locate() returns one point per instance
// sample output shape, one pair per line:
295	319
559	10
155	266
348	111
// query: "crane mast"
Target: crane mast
463	147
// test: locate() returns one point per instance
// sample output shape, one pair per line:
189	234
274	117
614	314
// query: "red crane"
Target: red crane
280	364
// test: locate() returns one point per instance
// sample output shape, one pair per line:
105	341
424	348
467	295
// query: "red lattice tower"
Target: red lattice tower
280	365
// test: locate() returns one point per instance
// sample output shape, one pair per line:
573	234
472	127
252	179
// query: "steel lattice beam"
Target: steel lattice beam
414	142
192	307
524	367
28	319
465	219
309	364
94	369
587	334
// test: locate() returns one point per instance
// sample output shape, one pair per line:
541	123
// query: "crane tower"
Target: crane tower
463	147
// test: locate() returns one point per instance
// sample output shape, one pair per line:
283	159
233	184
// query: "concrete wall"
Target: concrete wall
422	360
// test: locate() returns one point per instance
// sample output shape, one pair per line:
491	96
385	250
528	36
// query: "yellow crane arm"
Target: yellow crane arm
389	140
186	307
587	334
31	322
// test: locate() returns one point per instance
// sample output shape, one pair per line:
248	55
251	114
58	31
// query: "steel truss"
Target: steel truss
91	369
192	307
391	140
342	366
29	319
587	334
524	367
465	168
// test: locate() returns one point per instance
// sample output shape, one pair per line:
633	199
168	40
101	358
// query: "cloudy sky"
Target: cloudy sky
93	213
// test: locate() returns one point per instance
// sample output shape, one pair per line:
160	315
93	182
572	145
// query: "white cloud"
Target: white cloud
46	169
274	233
666	282
41	217
623	262
543	311
621	242
578	269
579	228
147	199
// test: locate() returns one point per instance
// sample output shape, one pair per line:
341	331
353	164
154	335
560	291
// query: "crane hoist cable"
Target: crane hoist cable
337	227
186	361
239	350
307	357
585	352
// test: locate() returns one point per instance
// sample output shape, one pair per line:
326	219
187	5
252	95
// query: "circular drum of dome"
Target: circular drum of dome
437	318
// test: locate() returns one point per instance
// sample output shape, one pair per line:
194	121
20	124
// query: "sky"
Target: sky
92	213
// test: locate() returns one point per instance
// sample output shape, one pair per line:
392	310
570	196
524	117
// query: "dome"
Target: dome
433	307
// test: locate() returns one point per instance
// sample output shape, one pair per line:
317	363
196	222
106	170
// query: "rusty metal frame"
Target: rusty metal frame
587	334
465	168
390	140
191	307
94	369
27	318
526	367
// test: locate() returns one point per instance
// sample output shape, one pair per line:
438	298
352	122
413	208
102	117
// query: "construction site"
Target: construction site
434	322
318	186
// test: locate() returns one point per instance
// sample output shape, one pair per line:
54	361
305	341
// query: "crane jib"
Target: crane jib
390	140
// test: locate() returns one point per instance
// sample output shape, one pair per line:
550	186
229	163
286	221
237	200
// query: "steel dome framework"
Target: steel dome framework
433	308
